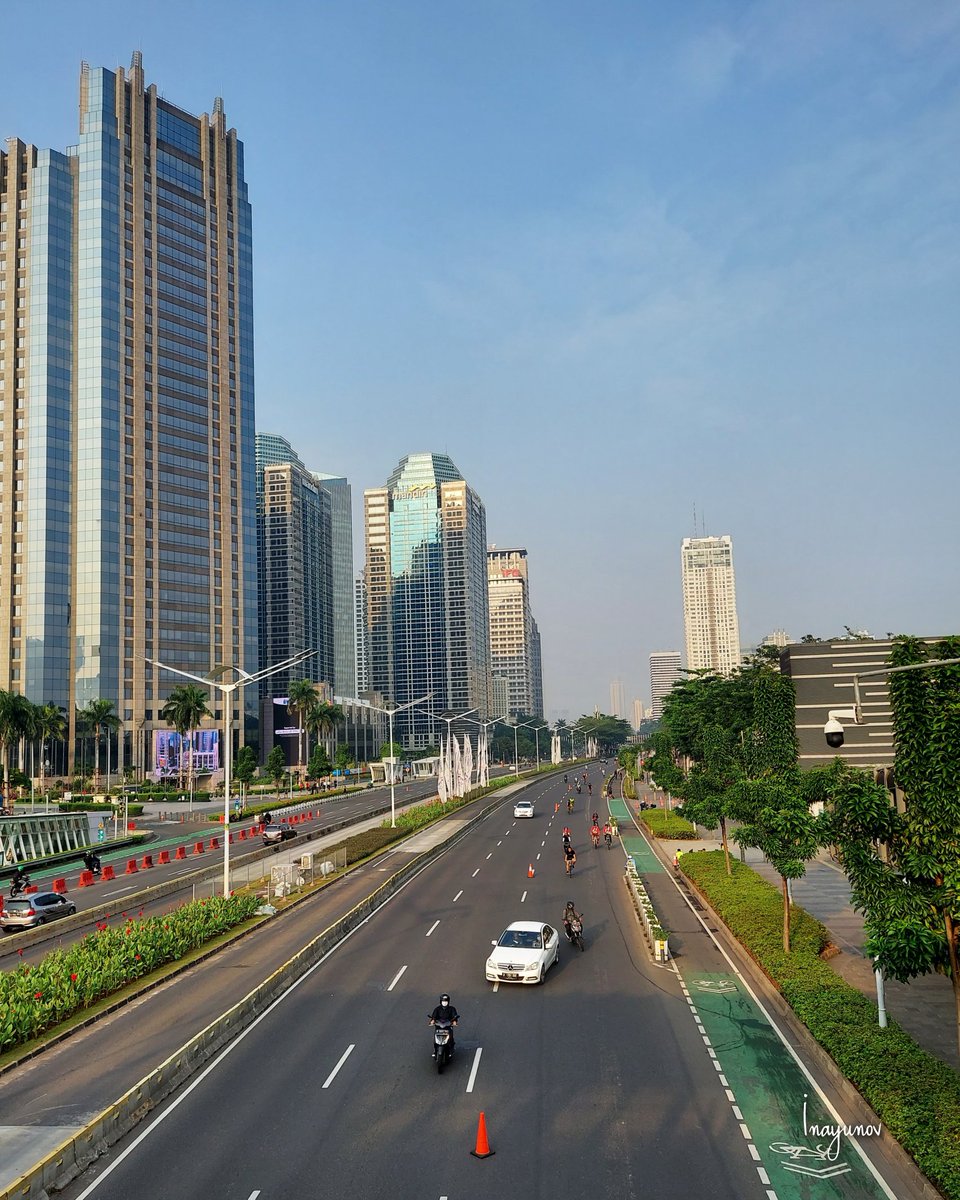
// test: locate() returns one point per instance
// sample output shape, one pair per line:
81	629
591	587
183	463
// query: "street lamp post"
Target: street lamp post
456	717
516	756
226	691
393	708
485	725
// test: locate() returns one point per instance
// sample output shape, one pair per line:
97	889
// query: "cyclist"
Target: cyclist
595	818
589	788
595	834
608	834
570	804
569	858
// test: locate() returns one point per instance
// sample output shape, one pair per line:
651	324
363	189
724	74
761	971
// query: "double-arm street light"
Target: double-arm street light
226	689
485	725
516	756
390	708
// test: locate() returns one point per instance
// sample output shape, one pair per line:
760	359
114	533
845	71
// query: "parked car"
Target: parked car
274	834
523	953
523	808
27	912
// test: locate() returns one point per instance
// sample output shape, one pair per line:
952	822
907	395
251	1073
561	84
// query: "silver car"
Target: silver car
27	912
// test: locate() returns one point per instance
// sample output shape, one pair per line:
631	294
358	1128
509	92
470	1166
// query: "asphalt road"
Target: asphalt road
597	1082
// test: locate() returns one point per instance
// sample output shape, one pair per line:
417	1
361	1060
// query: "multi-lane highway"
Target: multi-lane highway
609	1079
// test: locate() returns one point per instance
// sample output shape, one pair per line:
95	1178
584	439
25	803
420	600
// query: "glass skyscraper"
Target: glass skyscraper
426	581
127	486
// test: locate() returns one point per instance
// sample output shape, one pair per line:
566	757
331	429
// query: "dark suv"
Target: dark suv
26	912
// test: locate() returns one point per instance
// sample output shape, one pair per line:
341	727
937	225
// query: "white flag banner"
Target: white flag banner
467	762
442	792
483	767
448	765
555	749
456	767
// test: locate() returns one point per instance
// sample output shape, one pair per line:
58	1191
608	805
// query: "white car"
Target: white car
523	808
523	953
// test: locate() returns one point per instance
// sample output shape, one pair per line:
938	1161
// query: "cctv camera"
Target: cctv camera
833	732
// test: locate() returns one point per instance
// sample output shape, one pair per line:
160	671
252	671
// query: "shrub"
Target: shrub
667	824
915	1095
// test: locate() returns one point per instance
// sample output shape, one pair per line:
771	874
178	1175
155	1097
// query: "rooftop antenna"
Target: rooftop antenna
694	518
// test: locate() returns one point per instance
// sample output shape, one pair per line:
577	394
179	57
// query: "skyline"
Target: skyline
618	269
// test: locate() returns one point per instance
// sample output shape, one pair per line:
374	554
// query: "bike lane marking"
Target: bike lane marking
780	1115
644	858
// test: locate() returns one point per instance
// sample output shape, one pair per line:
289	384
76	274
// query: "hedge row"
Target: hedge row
68	806
915	1095
667	824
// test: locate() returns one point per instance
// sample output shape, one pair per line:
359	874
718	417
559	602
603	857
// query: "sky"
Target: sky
641	269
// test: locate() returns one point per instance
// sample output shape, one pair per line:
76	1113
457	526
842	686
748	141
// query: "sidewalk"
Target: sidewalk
924	1007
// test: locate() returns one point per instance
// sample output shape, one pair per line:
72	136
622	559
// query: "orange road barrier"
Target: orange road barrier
86	879
181	852
131	867
147	862
214	843
242	835
108	872
164	857
60	886
482	1149
198	847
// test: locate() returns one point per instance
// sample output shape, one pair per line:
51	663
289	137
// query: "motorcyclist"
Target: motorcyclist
19	880
91	861
570	914
445	1011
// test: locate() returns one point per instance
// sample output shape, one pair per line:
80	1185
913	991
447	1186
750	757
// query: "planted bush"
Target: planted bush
35	998
667	824
915	1095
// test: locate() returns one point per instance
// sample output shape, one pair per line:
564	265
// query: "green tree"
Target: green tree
319	764
706	789
391	750
100	716
185	708
904	867
245	766
302	699
609	732
343	758
51	726
17	720
322	720
276	765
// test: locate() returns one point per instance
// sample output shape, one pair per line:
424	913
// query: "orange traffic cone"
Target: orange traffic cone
530	871
483	1146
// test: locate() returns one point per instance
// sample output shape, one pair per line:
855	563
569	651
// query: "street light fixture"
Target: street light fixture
516	757
393	708
226	690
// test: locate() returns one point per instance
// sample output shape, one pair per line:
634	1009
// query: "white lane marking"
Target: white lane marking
119	890
755	1155
432	928
523	897
500	843
737	1113
538	858
396	978
496	986
254	1195
473	1070
746	1132
542	844
764	1177
458	895
475	874
343	1058
490	855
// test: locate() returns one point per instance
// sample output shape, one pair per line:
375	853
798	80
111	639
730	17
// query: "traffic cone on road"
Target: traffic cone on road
483	1146
530	871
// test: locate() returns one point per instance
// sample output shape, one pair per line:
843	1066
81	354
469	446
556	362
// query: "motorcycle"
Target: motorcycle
19	884
575	934
442	1042
92	864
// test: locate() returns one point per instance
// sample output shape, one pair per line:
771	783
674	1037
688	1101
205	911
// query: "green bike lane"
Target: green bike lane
787	1123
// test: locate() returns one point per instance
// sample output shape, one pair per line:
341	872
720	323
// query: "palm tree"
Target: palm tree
301	699
16	718
185	708
323	719
51	724
99	715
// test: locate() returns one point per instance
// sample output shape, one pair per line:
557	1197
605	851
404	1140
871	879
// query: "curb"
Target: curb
77	1152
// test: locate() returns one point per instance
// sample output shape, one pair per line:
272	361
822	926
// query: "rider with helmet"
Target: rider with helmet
445	1011
570	914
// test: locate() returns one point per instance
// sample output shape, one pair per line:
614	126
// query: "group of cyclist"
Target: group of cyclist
596	832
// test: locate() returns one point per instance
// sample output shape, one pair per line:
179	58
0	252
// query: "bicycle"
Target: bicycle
570	862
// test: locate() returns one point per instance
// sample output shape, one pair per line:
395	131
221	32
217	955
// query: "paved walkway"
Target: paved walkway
923	1007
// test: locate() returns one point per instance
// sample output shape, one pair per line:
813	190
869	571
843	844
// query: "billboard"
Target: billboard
171	752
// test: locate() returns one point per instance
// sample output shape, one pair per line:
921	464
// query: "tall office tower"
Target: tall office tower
664	673
126	372
362	644
295	543
618	702
427	615
637	713
344	632
710	604
514	636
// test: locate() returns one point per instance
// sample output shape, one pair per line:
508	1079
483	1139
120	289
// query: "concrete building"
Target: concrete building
295	541
664	673
126	377
637	713
514	636
710	604
344	625
362	659
427	606
618	703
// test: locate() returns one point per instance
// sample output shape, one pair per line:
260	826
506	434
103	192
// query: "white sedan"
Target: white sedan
523	808
524	953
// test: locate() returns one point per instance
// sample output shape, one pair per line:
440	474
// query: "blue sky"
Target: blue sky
618	260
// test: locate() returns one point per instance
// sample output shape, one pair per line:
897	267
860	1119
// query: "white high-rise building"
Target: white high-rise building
617	701
664	673
637	712
710	604
514	636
